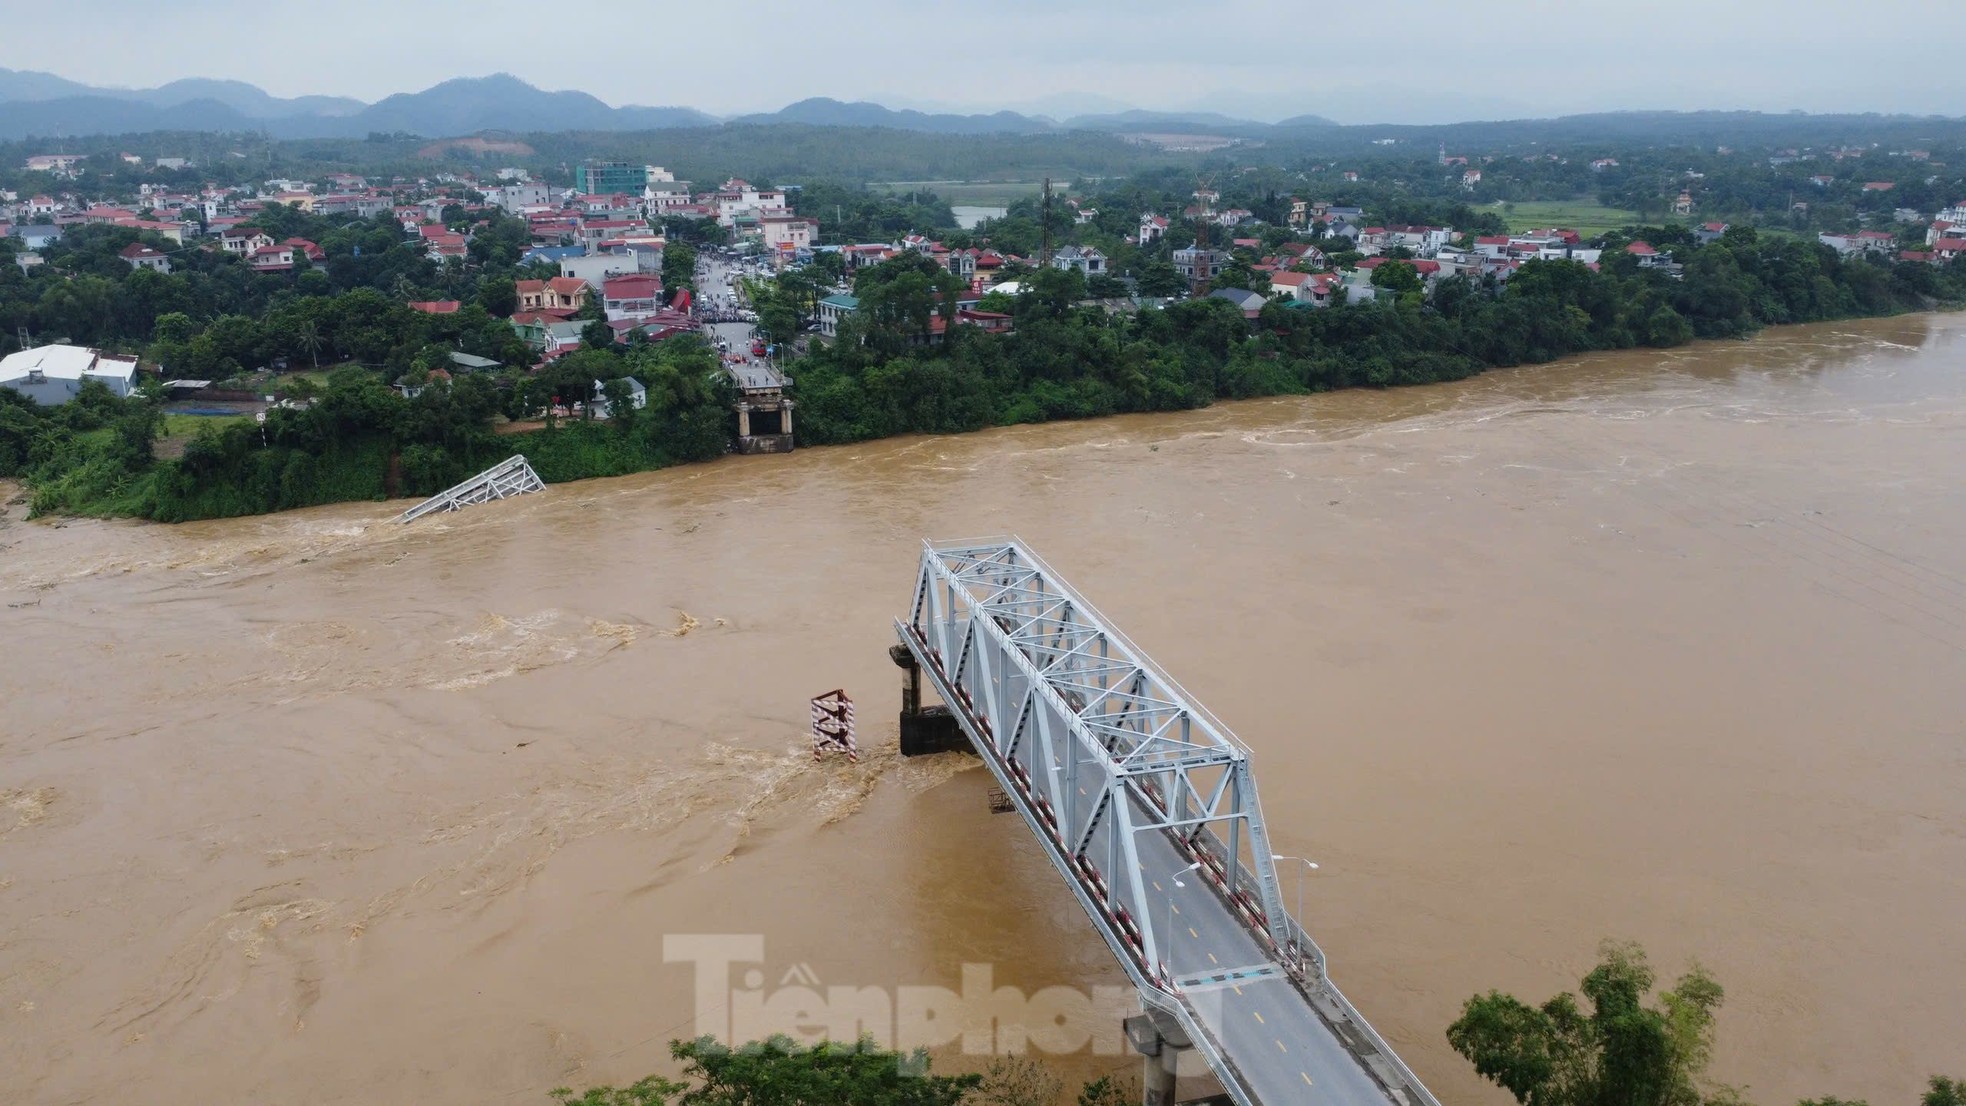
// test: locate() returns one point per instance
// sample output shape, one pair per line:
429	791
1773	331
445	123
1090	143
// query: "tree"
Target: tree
500	298
597	334
1104	286
652	1091
307	336
1107	1091
778	1072
678	266
621	404
1396	277
298	389
1016	1081
1621	1053
1161	278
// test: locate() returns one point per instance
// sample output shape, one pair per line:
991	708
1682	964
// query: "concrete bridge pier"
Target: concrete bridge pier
924	730
1159	1040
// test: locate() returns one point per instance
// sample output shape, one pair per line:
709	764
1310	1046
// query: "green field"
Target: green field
184	426
981	193
1586	217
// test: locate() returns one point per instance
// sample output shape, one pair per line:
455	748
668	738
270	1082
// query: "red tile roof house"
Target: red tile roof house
631	298
1289	284
1948	249
141	256
272	259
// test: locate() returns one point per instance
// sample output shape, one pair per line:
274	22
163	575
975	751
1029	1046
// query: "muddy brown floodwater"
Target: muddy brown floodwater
317	808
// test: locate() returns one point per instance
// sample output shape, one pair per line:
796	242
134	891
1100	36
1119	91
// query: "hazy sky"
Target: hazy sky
1391	61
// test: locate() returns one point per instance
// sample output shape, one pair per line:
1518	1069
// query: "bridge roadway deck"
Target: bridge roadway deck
756	376
1282	1051
1266	1027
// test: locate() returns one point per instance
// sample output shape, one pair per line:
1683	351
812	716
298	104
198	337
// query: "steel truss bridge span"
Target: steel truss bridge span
1147	805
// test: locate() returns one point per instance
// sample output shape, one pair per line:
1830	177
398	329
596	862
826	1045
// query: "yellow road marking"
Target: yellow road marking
1236	989
1174	908
1307	1080
1212	960
1156	885
1192	933
1280	1047
1259	1017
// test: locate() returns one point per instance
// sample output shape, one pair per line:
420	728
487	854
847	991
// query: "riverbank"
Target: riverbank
237	472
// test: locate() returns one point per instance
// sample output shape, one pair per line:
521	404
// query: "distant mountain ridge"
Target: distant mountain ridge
52	107
48	105
821	111
45	104
22	86
1135	121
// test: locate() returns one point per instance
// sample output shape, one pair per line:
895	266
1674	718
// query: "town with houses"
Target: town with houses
604	238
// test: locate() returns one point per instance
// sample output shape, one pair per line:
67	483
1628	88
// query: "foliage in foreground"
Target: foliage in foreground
779	1072
1619	1052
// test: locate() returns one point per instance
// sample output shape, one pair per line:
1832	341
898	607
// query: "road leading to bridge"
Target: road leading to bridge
1147	805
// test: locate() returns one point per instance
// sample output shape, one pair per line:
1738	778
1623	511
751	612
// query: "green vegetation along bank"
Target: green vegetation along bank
900	367
1610	1049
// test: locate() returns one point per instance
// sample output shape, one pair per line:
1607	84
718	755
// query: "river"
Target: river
969	217
1668	646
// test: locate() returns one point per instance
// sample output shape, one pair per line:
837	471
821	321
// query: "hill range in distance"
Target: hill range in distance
35	104
45	104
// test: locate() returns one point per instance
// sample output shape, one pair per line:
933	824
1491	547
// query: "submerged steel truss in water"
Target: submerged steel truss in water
512	476
1131	785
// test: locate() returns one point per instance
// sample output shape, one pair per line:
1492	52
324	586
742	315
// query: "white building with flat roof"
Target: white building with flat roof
51	375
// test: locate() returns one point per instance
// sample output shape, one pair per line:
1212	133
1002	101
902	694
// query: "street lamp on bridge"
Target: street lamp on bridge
1167	964
1309	867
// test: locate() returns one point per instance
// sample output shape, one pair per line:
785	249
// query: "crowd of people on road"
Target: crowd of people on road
720	300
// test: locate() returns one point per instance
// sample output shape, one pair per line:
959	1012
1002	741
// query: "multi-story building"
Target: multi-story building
560	294
738	199
1086	259
605	177
632	298
1199	265
787	232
